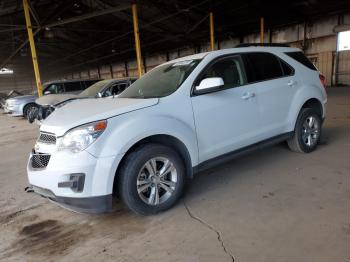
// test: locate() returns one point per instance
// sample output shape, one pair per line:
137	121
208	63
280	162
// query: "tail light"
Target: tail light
323	80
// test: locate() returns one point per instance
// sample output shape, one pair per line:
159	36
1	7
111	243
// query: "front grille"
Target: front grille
47	138
40	160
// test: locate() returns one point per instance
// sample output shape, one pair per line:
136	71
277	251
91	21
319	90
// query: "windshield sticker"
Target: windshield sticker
182	63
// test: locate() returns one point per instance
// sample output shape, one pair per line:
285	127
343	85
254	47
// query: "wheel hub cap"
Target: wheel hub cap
156	181
310	131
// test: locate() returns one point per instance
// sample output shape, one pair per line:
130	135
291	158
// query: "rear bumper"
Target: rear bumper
96	204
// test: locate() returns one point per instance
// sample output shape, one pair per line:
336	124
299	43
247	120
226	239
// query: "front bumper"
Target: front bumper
14	110
95	196
97	204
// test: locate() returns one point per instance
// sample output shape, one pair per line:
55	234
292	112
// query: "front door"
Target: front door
228	119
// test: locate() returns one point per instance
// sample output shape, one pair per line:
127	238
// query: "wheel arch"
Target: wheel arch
301	102
163	139
26	105
314	103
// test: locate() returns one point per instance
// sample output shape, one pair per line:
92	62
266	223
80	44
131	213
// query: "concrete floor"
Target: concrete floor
273	205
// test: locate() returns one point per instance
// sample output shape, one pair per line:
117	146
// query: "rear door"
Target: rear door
228	119
276	85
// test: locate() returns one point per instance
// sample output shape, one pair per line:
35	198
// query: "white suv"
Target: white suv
181	117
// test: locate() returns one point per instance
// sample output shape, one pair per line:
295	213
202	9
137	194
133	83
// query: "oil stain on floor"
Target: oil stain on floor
47	238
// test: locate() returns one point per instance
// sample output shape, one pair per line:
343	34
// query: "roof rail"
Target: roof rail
264	44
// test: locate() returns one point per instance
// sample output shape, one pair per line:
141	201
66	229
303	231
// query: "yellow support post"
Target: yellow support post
137	39
212	39
261	30
32	47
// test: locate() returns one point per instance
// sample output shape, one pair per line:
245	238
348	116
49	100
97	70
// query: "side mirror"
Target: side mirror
209	85
47	92
99	95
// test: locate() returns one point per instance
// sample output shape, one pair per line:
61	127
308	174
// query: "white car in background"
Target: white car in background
182	117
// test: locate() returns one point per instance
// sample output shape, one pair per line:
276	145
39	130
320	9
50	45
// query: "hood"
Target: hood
80	112
54	99
22	98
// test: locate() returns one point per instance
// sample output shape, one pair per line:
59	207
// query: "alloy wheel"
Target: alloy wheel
310	131
156	181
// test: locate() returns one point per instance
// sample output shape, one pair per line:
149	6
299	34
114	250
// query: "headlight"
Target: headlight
79	138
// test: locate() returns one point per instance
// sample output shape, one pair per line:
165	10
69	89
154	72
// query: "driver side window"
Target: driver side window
118	88
230	69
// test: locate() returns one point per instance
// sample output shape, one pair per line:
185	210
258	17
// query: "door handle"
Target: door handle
291	83
248	95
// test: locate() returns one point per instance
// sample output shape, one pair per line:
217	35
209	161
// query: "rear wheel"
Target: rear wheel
151	179
307	131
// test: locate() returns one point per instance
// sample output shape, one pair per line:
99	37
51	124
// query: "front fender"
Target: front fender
125	131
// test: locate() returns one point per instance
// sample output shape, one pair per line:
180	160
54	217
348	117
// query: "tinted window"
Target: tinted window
116	89
229	69
287	69
301	58
263	66
72	86
55	88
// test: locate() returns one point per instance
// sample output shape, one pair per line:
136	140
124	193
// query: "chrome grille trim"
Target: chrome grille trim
47	138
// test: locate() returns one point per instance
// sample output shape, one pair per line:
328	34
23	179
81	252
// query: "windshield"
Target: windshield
95	88
161	81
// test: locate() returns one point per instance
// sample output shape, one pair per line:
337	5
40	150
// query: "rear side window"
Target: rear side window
262	66
287	69
72	86
301	58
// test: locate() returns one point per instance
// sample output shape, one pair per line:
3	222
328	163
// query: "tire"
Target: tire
32	114
139	186
306	135
27	108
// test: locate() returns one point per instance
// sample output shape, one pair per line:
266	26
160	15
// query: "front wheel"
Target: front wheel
151	179
28	108
307	131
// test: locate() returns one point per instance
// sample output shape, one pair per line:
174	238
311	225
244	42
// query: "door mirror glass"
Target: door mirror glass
210	84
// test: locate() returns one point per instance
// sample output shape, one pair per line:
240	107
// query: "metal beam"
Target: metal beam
17	50
212	39
32	48
262	30
88	16
137	39
34	14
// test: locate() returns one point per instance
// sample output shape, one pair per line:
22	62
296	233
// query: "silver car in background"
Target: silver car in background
104	88
21	105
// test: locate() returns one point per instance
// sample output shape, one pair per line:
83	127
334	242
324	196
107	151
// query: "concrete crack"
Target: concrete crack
212	228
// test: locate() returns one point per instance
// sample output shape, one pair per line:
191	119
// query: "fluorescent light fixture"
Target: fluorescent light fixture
343	41
6	71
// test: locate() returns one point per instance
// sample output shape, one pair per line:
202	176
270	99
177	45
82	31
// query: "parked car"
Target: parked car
21	105
104	88
181	117
4	97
